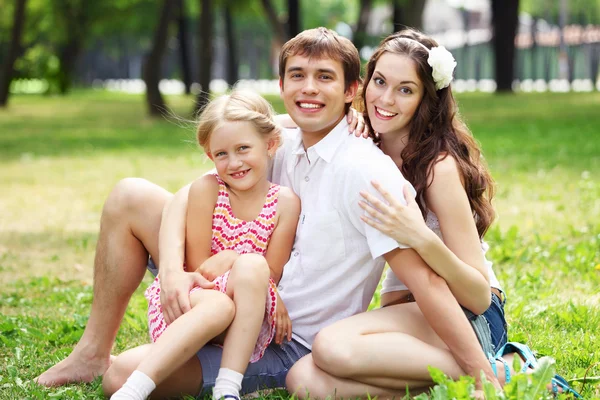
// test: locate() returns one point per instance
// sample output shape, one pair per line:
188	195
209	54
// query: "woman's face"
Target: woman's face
393	94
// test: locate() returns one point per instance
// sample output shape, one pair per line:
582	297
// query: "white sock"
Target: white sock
229	382
138	387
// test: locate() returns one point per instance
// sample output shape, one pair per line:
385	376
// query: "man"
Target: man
337	259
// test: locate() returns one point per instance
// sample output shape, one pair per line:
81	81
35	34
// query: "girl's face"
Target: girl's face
393	94
240	154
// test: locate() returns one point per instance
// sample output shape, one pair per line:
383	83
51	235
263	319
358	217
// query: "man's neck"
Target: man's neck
309	139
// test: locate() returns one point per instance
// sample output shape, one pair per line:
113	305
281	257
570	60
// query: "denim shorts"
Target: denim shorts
268	372
496	321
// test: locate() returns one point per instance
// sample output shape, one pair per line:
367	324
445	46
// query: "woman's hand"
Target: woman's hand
356	122
283	325
403	223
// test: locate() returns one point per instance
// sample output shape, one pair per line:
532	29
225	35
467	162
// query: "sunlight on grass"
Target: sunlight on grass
60	157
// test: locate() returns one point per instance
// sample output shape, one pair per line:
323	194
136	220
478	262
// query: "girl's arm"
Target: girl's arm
198	233
459	258
175	283
282	238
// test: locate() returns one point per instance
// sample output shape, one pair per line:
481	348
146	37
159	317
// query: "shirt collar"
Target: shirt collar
327	146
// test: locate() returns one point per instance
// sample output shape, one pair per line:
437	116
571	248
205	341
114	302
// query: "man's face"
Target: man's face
313	93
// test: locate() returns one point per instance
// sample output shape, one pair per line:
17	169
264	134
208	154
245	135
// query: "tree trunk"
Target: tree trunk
276	25
232	63
408	14
14	47
151	70
505	18
184	54
68	56
360	31
205	52
294	22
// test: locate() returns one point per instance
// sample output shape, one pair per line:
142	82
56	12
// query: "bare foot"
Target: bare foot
74	369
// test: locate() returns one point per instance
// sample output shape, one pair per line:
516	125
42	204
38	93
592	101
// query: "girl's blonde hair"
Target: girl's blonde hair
238	106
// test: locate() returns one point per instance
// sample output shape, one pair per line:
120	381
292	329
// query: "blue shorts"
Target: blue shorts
267	373
496	321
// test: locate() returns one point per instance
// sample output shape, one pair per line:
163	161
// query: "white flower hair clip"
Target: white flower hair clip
442	64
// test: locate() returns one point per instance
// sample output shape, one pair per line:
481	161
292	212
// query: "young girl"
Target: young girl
243	224
410	107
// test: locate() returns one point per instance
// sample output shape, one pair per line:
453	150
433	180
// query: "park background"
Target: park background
88	92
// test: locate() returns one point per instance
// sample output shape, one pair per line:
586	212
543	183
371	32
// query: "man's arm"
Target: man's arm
442	311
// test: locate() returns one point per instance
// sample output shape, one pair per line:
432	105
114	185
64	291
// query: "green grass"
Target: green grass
59	158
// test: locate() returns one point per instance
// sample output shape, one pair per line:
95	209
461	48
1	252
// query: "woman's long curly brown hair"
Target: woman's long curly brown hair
437	131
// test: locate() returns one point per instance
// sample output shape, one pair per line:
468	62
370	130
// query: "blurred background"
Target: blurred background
196	46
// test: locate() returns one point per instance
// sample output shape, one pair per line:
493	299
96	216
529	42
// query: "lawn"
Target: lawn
59	158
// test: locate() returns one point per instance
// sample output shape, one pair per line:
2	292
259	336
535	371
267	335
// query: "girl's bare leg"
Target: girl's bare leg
211	313
248	287
187	380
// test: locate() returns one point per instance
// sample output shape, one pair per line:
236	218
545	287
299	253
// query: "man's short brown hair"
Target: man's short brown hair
322	43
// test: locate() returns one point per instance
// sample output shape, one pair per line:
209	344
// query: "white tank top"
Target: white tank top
393	284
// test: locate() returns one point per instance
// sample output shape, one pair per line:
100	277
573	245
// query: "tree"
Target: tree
232	63
407	14
205	52
360	30
151	70
75	19
14	48
184	55
281	36
294	20
505	18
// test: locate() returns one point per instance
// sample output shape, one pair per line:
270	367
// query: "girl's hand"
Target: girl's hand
402	223
357	123
283	327
218	264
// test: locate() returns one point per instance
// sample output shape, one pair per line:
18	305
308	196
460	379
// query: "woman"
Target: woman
409	104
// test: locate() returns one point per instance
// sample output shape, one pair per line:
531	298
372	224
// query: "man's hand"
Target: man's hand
283	323
175	289
218	264
356	122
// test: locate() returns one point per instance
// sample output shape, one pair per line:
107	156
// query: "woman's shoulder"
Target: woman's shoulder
445	169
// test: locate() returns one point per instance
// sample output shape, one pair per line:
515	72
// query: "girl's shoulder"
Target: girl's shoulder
206	186
288	201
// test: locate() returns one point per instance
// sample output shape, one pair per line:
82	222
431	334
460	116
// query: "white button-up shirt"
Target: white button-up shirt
336	261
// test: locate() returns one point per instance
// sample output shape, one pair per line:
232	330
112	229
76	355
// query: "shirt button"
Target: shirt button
296	254
306	179
280	287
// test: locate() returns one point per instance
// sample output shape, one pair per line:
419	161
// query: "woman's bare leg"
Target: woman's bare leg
384	350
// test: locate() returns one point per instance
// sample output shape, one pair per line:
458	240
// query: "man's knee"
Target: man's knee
251	269
332	352
126	195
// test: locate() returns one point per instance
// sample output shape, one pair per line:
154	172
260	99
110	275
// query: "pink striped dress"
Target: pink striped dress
231	233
